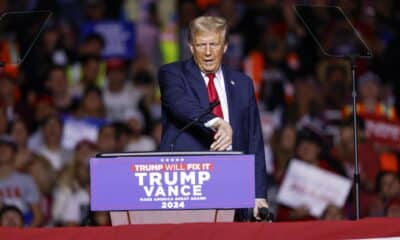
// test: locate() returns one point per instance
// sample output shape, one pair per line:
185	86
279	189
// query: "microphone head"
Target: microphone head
265	214
214	104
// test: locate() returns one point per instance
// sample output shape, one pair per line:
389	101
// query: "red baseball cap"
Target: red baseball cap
115	63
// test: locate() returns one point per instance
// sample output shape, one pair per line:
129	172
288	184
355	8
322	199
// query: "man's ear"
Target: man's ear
225	47
190	47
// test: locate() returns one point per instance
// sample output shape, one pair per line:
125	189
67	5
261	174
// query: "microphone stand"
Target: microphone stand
207	111
356	179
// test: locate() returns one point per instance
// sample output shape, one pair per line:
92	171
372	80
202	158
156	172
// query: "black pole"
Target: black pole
356	165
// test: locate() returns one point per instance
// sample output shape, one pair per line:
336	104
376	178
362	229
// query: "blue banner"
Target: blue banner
119	37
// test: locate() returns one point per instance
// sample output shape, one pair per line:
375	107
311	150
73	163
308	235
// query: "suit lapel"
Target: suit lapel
196	80
230	95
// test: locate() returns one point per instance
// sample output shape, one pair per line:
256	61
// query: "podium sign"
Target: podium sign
172	182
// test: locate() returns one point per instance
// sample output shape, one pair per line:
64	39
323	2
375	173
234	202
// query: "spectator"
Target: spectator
45	177
43	108
107	139
309	148
147	28
283	147
92	105
306	105
57	85
51	147
71	197
93	45
149	105
231	10
343	150
3	121
343	153
387	189
99	218
187	11
19	132
11	216
89	74
334	77
370	104
17	189
119	96
393	208
138	142
333	212
95	10
46	54
86	119
11	99
123	134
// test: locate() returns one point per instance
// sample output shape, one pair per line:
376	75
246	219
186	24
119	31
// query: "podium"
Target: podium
171	187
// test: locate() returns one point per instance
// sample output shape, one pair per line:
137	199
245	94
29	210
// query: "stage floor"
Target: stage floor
365	228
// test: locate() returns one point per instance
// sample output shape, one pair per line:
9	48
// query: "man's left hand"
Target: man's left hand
260	203
223	136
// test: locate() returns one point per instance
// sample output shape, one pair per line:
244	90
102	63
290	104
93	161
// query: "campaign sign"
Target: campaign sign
383	131
119	37
172	182
313	187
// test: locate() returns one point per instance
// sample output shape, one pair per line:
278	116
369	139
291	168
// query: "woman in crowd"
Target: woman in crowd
71	197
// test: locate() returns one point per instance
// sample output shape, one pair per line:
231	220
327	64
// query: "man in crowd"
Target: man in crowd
17	189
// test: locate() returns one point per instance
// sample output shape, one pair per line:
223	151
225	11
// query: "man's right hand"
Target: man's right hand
223	136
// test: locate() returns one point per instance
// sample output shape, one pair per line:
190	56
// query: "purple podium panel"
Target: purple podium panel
172	182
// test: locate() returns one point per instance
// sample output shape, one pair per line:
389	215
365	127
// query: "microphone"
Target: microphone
265	214
195	120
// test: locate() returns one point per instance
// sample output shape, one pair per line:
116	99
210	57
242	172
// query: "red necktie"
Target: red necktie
213	95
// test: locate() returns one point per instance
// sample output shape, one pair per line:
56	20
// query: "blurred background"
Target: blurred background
89	85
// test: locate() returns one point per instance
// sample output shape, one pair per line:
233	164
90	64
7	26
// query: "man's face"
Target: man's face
390	185
11	219
208	49
106	140
116	77
58	81
7	154
308	151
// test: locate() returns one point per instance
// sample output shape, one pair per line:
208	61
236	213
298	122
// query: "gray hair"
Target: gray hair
205	24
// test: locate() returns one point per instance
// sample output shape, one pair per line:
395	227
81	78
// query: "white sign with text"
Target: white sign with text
310	186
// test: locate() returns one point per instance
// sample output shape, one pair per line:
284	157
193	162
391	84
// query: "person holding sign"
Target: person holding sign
189	87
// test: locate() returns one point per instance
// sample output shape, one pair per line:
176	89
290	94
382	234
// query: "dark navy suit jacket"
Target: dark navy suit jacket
184	97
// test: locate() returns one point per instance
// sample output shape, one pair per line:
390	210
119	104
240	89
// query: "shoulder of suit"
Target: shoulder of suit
170	66
178	65
238	75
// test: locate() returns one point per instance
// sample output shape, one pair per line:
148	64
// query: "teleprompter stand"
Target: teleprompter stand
352	48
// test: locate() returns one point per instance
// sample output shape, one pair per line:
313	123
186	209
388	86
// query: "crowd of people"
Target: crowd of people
68	100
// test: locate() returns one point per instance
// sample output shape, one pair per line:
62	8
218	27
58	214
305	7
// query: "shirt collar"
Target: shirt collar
217	73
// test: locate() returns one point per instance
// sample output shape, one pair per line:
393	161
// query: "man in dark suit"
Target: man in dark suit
187	89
